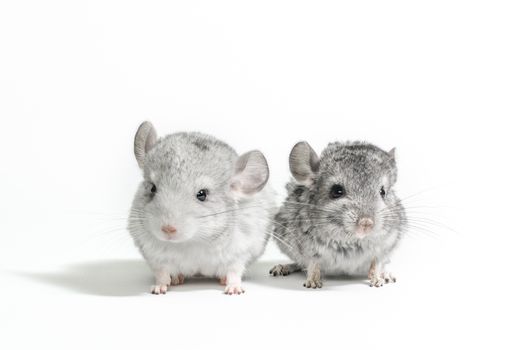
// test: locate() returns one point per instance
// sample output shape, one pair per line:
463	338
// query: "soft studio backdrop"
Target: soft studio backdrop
441	81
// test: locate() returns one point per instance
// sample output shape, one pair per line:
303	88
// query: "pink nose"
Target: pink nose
366	224
168	229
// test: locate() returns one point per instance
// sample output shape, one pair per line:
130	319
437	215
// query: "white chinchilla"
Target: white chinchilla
201	210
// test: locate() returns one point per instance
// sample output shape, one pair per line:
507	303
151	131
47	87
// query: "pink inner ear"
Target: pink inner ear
251	173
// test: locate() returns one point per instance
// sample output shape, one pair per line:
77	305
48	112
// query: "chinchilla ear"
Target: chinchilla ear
251	173
304	163
392	154
145	139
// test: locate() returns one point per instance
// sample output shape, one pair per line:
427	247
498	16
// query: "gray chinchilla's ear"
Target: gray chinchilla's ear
145	138
251	173
304	163
392	154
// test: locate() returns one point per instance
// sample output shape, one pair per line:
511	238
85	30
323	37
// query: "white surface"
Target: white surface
441	81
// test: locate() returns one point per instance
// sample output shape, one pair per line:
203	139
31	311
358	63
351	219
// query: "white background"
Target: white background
443	81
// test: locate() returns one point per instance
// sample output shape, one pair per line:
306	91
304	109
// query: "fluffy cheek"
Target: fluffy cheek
153	226
189	228
341	222
380	217
349	226
209	228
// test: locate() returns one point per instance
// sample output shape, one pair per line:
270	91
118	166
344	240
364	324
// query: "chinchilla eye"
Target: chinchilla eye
202	194
153	188
382	192
337	191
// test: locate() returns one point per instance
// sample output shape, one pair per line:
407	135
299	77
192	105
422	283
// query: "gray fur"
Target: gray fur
319	232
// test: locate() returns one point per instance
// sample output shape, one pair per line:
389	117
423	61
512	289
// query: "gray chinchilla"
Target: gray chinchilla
342	215
200	210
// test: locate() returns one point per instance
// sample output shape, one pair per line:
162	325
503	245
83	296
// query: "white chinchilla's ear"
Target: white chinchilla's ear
145	138
251	173
304	163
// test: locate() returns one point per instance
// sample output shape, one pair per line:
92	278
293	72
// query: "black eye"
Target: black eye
202	194
337	191
153	188
382	192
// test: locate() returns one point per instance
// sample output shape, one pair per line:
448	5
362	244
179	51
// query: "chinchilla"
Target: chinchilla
201	210
342	214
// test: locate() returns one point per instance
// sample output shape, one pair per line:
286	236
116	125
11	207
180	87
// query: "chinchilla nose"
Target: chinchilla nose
366	224
168	229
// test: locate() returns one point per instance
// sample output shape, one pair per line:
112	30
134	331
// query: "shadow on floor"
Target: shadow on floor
133	277
108	277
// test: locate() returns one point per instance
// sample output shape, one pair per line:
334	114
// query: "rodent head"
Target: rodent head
349	187
191	184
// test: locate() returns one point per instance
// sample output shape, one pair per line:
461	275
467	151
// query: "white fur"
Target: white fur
241	243
216	237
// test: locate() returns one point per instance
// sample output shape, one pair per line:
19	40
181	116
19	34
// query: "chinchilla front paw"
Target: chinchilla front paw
313	283
377	281
159	289
233	288
389	277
